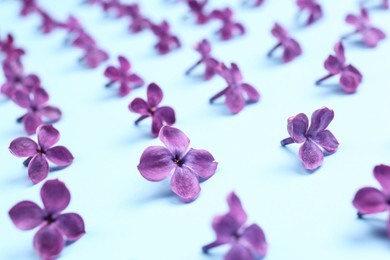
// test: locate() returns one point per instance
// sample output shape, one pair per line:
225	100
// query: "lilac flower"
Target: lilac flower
39	153
254	3
138	21
370	34
28	7
166	41
312	137
236	90
313	8
291	48
16	79
149	108
185	165
247	242
204	49
370	200
350	77
123	76
35	103
48	23
54	227
11	52
72	25
94	56
229	28
197	7
83	41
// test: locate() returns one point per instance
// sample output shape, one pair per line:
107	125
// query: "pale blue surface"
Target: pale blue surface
304	216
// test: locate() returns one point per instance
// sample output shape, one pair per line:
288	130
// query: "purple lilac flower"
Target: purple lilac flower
185	165
247	242
28	7
197	8
39	153
370	34
48	23
12	53
166	41
236	90
54	226
254	3
291	48
312	137
211	64
350	77
229	28
127	80
150	108
138	21
37	109
370	200
313	8
94	56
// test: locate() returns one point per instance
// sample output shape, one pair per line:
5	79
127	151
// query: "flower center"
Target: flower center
177	161
49	218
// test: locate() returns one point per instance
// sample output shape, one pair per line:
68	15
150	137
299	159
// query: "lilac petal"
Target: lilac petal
175	140
59	155
22	99
201	162
112	73
239	252
55	196
234	100
136	80
251	92
327	141
38	168
139	106
26	215
349	81
370	200
166	114
23	147
352	19
382	174
49	242
254	236
31	122
225	226
333	65
157	124
311	156
124	63
51	113
71	225
339	50
320	119
292	49
235	209
40	96
47	136
297	127
156	163
236	72
124	89
154	95
372	36
185	184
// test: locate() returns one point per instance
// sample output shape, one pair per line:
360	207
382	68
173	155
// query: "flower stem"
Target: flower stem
27	161
360	215
324	78
206	248
140	119
287	141
346	36
219	94
193	67
273	49
20	119
109	84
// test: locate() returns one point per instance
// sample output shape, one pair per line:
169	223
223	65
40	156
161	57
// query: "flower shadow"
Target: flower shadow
378	227
162	191
333	88
58	168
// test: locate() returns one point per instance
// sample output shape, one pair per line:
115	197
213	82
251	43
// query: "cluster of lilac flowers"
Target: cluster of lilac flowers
78	37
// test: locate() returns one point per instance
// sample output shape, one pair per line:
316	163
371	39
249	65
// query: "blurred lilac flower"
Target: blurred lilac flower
291	48
247	242
54	226
313	8
35	103
28	7
12	53
312	137
150	108
185	165
39	153
370	34
211	64
48	23
72	25
138	21
370	200
16	79
83	40
197	8
94	56
350	77
166	41
236	90
229	28
254	3
127	80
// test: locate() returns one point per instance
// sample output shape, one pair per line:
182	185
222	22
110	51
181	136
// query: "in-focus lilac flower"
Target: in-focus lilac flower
12	53
312	137
138	21
254	3
166	41
211	64
185	165
39	153
16	79
370	35
350	77
291	48
54	226
197	8
236	90
28	7
127	80
313	8
229	28
150	108
37	109
370	200
247	242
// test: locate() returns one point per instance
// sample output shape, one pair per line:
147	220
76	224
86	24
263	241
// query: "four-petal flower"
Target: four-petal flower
291	48
211	64
313	8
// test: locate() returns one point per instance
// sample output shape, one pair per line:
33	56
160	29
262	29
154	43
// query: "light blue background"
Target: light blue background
305	216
